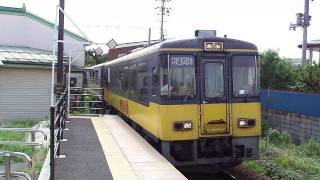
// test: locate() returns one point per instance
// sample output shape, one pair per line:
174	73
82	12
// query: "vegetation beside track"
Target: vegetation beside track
280	158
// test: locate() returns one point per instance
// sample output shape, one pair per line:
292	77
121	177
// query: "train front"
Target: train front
210	111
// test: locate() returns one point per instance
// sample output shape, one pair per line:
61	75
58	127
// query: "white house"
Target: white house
26	42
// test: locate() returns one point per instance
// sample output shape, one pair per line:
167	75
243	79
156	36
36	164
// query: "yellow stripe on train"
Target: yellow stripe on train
158	119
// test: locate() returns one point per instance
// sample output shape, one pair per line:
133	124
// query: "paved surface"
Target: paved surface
85	159
105	148
128	155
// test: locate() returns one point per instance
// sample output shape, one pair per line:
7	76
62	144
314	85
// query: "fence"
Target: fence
296	113
86	101
294	102
58	117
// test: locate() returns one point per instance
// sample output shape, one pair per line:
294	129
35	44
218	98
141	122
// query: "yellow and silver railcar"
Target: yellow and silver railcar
198	98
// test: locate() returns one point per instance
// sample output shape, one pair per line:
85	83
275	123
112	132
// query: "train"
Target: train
196	100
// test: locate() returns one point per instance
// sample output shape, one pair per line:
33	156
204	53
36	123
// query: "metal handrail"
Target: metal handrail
17	154
20	143
8	173
58	117
14	173
26	130
23	143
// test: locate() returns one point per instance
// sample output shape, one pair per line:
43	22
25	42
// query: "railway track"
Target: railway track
229	175
224	175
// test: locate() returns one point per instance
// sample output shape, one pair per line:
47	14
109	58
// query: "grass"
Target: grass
21	136
282	159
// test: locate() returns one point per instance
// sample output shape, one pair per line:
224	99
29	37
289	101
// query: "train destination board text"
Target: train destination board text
182	61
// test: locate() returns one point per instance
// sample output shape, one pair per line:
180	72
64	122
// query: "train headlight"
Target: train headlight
246	123
213	46
182	125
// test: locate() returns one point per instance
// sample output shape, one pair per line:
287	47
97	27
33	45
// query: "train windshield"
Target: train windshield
245	76
178	77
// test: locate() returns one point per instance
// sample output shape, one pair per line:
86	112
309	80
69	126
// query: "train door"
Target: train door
214	118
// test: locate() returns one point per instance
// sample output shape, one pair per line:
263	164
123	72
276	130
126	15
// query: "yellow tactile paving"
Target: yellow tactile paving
117	162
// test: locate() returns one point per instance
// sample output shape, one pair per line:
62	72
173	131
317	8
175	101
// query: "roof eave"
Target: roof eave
23	12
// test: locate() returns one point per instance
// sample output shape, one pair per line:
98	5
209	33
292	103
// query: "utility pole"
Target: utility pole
303	20
305	31
60	67
163	11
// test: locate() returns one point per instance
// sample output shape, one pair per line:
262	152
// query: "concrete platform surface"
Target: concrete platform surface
105	148
128	155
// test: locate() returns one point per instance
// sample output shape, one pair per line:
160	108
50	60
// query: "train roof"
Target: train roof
187	45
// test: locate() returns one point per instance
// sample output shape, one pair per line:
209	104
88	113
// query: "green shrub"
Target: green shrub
279	138
277	172
256	166
264	129
310	75
311	148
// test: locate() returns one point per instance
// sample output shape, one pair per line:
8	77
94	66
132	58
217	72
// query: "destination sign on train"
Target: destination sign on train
181	61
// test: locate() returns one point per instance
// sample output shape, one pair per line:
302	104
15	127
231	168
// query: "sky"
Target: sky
262	22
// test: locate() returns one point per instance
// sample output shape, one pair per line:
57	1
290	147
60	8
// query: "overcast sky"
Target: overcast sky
263	22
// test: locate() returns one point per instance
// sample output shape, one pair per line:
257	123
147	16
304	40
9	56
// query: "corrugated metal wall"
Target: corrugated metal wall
299	103
24	93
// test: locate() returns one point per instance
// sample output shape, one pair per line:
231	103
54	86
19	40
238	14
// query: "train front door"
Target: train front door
214	118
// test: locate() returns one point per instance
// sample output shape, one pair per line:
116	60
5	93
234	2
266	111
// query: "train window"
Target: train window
163	80
113	79
155	80
120	81
125	81
245	81
214	81
133	82
181	76
142	82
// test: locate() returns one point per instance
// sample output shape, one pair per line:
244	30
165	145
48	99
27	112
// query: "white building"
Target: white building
26	42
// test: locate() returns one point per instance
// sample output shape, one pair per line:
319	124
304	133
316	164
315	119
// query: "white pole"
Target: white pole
53	58
305	31
69	82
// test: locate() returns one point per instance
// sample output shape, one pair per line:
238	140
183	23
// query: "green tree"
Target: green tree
276	72
310	76
91	58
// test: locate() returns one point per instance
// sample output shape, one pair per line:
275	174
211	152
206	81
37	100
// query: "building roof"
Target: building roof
23	12
140	43
25	55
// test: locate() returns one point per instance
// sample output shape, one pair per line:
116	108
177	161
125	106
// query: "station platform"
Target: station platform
107	148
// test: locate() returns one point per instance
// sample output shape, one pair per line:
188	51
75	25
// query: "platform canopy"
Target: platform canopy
313	45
